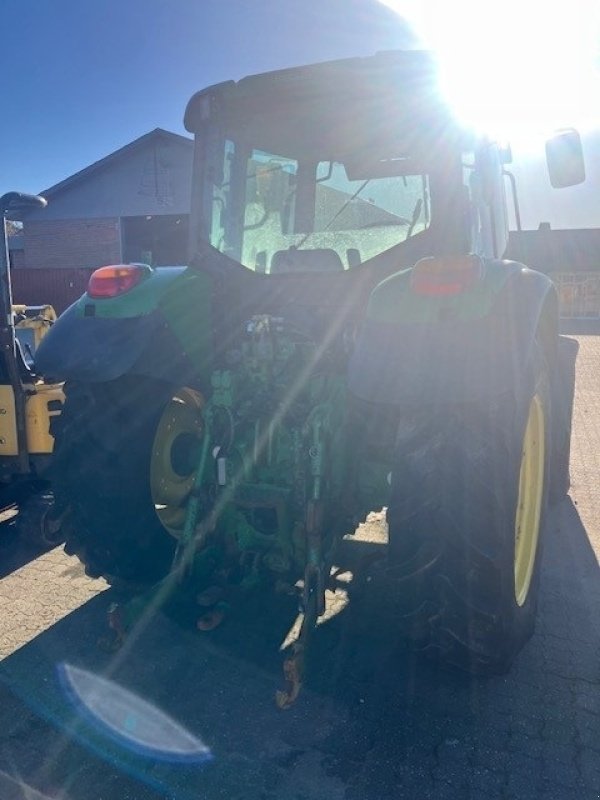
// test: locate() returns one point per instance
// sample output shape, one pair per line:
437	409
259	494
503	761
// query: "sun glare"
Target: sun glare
516	69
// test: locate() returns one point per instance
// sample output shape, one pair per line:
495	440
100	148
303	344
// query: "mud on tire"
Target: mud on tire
100	476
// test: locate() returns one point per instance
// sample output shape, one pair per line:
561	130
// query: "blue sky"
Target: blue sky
84	77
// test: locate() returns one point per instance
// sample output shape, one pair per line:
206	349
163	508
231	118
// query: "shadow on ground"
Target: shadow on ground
373	723
14	552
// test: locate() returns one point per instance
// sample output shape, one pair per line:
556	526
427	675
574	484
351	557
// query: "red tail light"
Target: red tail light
445	276
114	280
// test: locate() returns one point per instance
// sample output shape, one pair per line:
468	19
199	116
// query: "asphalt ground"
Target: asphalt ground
373	722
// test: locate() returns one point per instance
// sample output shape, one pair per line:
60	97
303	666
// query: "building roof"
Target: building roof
142	141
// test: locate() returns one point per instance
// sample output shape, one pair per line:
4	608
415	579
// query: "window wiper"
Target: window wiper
415	217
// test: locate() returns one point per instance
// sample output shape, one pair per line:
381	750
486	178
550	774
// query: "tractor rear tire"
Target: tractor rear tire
101	479
466	592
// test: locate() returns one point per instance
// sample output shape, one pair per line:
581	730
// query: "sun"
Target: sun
515	70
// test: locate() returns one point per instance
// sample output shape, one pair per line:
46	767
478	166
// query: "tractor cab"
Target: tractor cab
332	167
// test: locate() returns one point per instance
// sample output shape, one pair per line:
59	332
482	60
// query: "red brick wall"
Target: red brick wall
72	243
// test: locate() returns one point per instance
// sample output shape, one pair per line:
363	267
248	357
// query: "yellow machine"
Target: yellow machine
42	401
27	403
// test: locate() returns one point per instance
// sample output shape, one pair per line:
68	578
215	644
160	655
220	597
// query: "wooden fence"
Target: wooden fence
579	294
59	287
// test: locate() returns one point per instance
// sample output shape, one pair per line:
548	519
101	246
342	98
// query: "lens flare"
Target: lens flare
135	723
18	789
515	69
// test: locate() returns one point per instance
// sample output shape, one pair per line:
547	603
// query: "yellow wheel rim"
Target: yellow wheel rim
529	507
175	453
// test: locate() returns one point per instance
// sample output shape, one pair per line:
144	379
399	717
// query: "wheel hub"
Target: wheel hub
175	454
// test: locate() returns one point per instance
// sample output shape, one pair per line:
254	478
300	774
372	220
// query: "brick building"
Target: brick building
132	205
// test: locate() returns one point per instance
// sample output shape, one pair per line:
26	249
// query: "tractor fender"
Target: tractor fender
458	356
98	349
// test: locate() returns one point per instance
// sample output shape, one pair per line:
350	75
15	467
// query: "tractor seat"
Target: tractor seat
319	260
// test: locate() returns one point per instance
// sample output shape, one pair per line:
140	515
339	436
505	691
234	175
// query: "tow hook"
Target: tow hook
293	671
212	600
114	640
313	601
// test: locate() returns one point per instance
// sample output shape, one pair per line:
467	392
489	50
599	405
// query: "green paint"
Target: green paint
182	295
137	302
186	304
222	382
394	301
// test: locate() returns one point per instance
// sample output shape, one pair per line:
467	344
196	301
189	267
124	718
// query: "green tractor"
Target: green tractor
346	338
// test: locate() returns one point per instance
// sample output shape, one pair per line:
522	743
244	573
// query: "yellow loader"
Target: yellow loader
27	403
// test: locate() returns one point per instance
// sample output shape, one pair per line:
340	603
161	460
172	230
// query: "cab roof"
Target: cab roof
364	98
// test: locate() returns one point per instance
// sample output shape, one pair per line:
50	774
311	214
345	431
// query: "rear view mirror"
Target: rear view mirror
564	157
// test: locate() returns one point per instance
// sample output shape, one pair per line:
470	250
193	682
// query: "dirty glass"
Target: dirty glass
220	198
293	215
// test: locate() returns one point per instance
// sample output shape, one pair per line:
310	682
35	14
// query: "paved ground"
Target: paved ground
373	724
